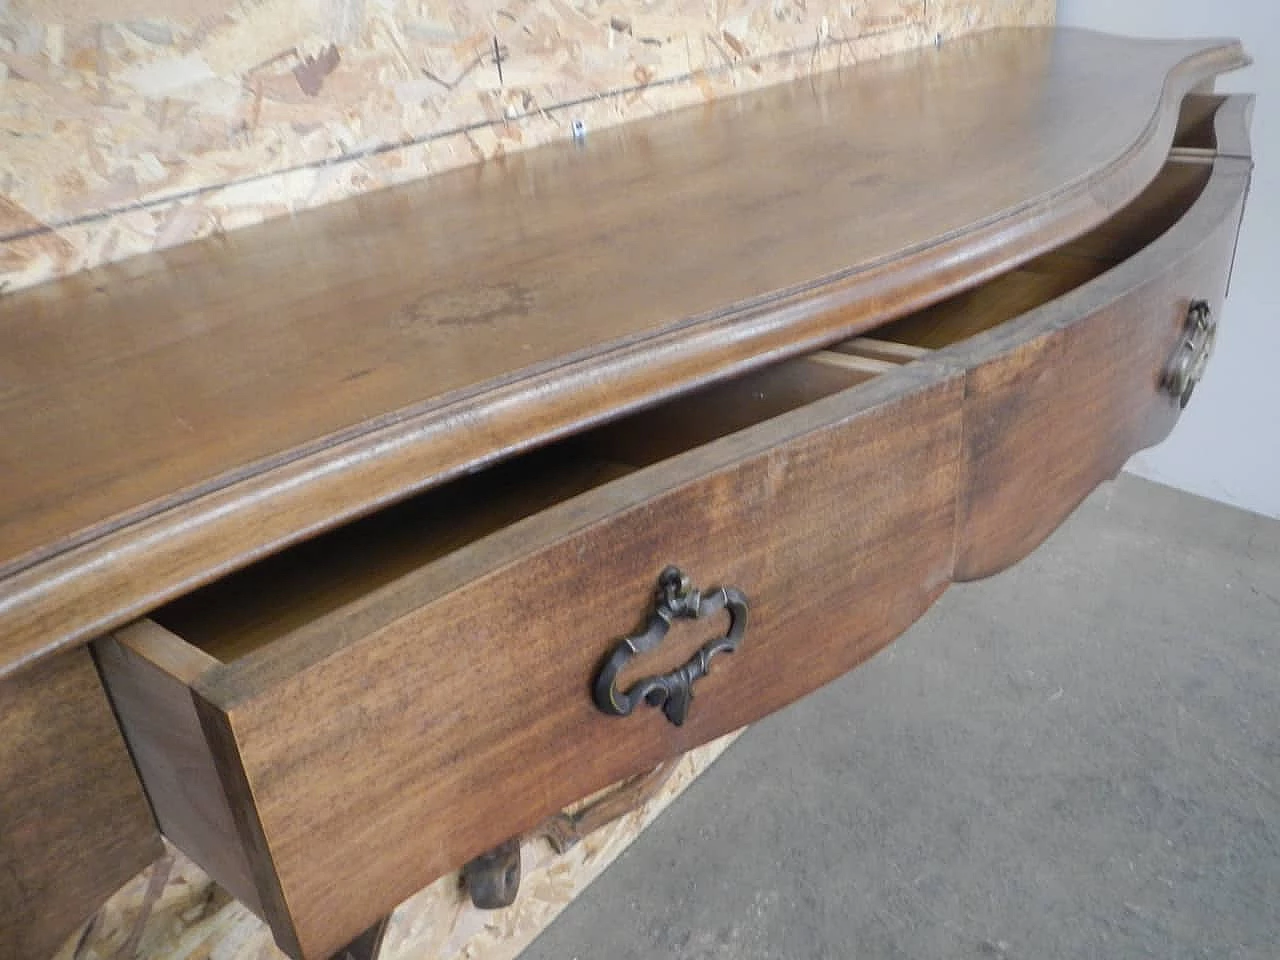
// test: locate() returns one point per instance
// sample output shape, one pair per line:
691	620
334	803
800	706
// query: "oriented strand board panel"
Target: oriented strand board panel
133	126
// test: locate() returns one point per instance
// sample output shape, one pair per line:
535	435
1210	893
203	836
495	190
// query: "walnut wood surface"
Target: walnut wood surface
1059	400
149	673
383	741
878	349
1232	125
431	720
178	415
1197	121
1064	383
74	823
1067	268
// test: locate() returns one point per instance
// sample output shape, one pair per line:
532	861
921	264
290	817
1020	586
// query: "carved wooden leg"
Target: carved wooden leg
367	945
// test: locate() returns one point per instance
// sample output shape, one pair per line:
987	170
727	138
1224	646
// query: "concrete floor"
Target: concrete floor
1078	758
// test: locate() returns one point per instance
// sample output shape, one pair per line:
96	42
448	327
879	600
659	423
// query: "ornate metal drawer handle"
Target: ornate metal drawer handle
676	598
1192	355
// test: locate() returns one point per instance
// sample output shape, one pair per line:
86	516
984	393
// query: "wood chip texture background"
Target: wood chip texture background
131	126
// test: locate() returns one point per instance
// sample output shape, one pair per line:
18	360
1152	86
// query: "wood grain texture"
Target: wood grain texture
390	727
415	78
176	416
74	824
1009	297
173	910
465	685
1197	121
247	610
1058	401
705	415
877	349
267	99
148	672
1004	299
1233	126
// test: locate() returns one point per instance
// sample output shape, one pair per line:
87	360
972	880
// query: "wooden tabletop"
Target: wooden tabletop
179	414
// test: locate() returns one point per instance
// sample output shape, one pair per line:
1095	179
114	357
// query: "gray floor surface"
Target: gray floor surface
1078	758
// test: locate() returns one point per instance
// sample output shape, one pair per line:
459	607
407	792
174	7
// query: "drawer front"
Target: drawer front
463	714
1058	400
74	823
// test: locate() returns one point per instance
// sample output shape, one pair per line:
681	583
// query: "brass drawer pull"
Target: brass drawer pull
1192	355
676	598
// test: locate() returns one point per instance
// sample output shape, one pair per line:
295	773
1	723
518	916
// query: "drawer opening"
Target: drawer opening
697	418
1197	128
1055	274
247	610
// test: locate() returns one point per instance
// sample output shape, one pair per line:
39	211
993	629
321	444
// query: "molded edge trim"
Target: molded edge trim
1222	199
73	596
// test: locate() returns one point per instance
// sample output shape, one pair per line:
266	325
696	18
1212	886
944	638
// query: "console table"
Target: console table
348	547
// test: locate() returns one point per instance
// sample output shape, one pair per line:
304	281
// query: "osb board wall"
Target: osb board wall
173	911
132	125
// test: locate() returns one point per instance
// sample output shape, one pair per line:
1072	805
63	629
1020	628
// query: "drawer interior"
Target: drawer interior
234	616
240	613
1197	122
1054	274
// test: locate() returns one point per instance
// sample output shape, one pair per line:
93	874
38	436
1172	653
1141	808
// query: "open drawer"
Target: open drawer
331	729
1082	357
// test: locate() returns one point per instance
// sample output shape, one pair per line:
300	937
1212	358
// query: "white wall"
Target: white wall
1227	445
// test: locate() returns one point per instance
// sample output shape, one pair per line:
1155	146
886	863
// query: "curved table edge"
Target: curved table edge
73	596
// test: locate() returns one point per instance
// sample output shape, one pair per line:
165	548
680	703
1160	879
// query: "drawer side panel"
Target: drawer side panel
148	671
